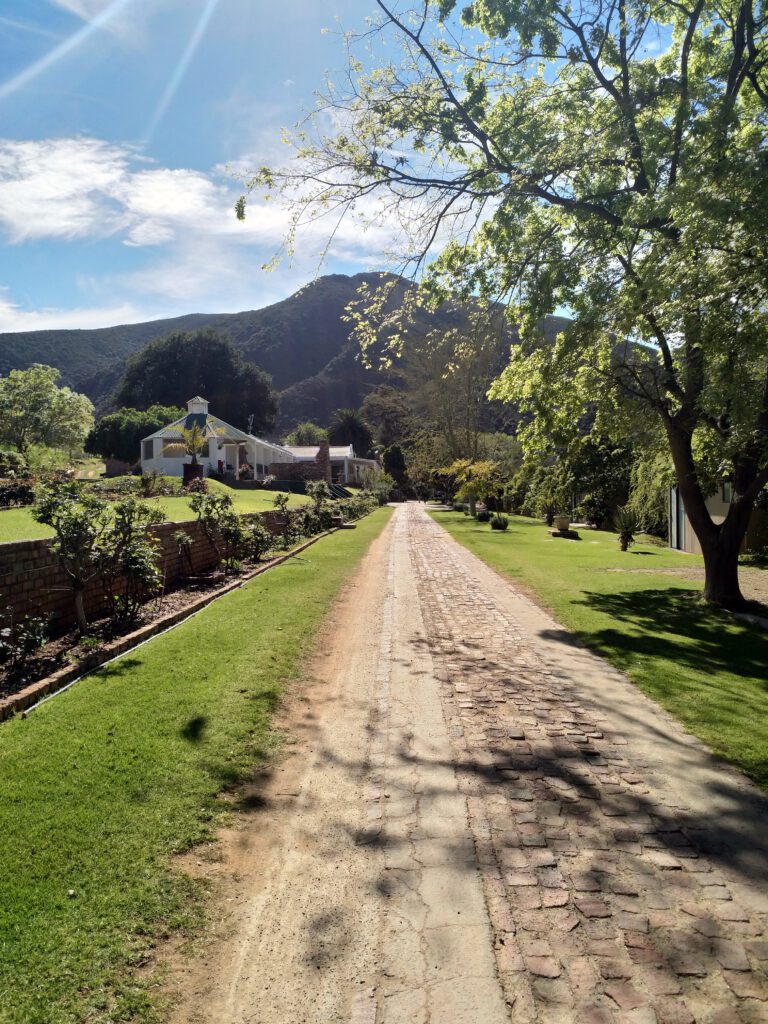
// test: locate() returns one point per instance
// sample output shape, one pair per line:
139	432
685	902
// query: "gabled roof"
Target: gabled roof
211	426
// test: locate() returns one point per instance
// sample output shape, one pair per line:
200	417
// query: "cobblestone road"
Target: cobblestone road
517	826
481	823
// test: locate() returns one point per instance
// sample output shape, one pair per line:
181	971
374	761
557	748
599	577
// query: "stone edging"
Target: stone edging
33	693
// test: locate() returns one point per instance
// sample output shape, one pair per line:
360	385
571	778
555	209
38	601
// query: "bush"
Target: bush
96	539
483	516
16	492
221	525
19	640
197	486
257	540
459	506
627	524
129	559
499	522
13	464
149	483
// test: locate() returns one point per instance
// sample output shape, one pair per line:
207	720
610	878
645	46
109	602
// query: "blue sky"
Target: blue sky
120	124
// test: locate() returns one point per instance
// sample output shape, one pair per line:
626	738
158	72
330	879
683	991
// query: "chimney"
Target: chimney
323	460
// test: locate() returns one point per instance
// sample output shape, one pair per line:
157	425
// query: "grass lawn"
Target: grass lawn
101	785
18	524
708	669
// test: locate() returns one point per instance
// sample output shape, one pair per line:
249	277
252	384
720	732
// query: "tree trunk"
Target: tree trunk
82	621
720	543
721	571
473	507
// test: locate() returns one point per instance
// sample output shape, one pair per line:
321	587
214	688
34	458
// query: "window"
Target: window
147	450
727	492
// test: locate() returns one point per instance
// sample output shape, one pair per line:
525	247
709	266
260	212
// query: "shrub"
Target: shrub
16	492
129	560
318	491
379	484
197	486
483	516
21	639
96	539
258	540
149	483
221	525
80	522
627	525
499	522
459	506
13	464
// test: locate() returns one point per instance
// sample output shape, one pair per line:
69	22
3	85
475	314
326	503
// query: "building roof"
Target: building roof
212	428
310	451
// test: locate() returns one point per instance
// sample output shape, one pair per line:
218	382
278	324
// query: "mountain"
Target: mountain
302	341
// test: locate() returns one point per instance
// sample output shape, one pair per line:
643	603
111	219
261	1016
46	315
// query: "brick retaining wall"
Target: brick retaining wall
33	583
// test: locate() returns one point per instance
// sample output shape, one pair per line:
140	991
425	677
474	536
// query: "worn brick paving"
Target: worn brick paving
603	907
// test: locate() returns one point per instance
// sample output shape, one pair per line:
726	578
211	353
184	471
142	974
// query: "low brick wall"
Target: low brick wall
33	583
297	471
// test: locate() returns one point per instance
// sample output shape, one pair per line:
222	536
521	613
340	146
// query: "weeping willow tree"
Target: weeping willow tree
603	156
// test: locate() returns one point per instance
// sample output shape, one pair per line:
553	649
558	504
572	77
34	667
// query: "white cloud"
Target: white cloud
13	318
198	256
60	188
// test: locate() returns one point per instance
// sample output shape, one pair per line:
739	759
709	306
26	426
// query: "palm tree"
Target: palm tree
194	442
349	427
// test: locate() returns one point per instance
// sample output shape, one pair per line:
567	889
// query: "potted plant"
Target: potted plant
194	442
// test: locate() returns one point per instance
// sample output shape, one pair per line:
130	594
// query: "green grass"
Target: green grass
100	786
18	524
705	667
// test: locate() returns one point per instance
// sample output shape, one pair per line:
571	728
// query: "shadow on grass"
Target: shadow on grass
194	729
673	624
122	667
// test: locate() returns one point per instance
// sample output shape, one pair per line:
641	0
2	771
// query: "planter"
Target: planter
562	523
192	472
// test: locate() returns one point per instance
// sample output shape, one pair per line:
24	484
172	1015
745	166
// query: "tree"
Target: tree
473	480
349	427
447	374
387	412
35	410
306	434
606	158
170	370
118	435
194	440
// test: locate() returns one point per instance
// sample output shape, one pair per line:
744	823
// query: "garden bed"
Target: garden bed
65	658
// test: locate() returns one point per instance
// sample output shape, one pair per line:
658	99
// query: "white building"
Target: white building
226	450
346	467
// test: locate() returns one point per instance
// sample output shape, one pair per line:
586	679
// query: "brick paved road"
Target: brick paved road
511	819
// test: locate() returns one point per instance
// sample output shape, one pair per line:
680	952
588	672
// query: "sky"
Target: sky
122	126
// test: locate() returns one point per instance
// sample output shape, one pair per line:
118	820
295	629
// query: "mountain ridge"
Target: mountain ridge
302	341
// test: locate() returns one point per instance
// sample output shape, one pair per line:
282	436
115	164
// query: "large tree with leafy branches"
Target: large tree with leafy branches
173	369
603	156
36	410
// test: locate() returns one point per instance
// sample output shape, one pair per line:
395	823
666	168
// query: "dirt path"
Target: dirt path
481	823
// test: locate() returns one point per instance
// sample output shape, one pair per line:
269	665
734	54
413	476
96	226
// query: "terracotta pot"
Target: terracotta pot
562	523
